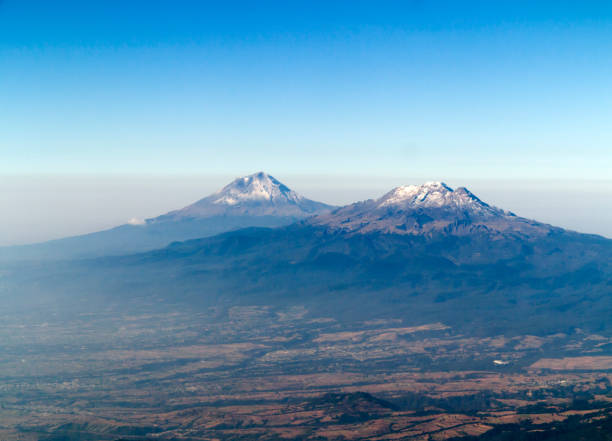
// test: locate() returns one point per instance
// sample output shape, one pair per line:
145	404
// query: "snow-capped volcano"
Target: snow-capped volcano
257	200
258	194
425	209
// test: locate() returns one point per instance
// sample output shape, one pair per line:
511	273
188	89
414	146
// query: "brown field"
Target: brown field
575	363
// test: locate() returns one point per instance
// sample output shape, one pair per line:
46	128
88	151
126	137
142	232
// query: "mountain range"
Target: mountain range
424	253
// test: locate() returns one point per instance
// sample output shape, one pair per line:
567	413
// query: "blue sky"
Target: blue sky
156	103
485	89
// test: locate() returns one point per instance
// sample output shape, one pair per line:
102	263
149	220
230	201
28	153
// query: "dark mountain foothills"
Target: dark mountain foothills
577	428
361	412
564	280
333	408
257	200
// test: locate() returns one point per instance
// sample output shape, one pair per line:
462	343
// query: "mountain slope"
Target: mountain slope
256	200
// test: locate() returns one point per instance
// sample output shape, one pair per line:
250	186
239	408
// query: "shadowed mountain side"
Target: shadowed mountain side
547	283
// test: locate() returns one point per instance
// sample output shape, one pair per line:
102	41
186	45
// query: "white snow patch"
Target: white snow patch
435	194
256	187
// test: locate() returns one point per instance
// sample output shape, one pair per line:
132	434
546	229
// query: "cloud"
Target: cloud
136	221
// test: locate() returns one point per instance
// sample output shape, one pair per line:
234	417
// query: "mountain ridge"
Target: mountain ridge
430	208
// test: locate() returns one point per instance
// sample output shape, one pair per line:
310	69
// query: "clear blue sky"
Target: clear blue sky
483	89
118	109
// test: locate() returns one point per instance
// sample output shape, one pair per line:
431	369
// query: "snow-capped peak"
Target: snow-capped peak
258	194
428	194
433	195
256	187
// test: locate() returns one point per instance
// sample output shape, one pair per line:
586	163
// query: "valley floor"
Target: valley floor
261	373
